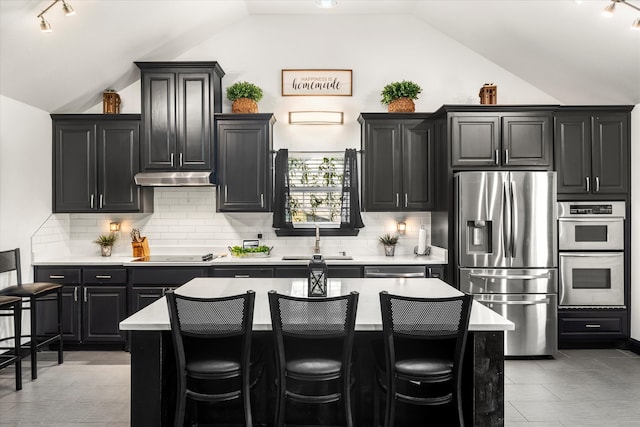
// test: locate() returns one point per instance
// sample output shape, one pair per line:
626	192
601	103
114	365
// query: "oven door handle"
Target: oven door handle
599	220
542	301
591	254
510	276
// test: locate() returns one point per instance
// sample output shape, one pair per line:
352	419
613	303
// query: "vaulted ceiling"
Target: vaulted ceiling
562	47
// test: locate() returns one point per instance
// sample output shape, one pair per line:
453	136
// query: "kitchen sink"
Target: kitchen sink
308	257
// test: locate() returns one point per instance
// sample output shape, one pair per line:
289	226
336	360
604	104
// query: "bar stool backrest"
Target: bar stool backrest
10	261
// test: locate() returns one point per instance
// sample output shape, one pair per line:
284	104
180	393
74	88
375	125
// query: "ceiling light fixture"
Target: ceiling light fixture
326	4
44	24
611	7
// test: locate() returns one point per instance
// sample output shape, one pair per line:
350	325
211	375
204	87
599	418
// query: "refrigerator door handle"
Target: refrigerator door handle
510	276
514	219
506	220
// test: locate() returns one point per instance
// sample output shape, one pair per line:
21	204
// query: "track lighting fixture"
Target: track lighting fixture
611	7
44	24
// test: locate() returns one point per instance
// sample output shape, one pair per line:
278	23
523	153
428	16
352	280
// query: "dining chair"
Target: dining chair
212	345
420	362
12	306
313	339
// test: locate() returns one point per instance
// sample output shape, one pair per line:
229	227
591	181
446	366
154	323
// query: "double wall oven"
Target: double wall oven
591	253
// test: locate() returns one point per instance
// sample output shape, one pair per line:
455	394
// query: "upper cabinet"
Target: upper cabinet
244	145
592	150
95	157
490	138
178	103
397	161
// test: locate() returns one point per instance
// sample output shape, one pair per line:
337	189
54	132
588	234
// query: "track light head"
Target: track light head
68	10
45	27
608	11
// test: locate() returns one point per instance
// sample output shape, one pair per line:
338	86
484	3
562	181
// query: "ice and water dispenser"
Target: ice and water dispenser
478	237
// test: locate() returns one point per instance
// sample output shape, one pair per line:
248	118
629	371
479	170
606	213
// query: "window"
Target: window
316	189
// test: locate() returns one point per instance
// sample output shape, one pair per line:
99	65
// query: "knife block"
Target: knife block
141	249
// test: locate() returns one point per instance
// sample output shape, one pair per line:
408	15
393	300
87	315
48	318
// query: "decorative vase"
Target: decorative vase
389	250
244	105
402	105
106	250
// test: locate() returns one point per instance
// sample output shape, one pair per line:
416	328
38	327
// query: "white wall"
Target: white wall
25	176
635	223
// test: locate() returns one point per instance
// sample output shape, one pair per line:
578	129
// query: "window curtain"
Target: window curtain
281	197
350	210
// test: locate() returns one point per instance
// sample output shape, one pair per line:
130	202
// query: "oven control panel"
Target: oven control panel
590	209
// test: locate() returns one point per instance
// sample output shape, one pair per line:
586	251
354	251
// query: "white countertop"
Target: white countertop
156	317
228	260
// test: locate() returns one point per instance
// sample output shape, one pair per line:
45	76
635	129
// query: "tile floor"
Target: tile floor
577	388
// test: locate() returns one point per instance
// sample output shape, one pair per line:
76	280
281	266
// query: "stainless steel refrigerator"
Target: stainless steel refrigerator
506	254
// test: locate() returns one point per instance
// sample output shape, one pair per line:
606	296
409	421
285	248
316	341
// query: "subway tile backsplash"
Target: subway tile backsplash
185	220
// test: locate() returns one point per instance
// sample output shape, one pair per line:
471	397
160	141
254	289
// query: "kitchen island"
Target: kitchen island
152	366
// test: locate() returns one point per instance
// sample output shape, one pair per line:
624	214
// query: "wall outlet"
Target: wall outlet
259	235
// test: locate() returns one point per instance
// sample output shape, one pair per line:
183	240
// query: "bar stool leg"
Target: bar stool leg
34	338
17	333
60	353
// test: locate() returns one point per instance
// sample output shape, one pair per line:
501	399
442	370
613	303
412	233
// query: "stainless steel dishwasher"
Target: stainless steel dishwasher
396	271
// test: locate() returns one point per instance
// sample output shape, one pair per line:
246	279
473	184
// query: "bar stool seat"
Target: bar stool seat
35	292
13	304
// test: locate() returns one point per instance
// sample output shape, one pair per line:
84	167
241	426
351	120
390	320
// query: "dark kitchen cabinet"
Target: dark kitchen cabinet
147	284
497	140
592	150
583	327
95	157
335	271
397	162
178	103
94	302
244	145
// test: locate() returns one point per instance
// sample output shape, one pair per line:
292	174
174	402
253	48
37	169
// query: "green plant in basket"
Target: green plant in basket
244	90
239	251
397	90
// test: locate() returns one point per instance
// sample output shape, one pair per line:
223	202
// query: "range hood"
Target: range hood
175	179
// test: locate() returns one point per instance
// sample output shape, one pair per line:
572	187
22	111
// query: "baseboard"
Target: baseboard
634	345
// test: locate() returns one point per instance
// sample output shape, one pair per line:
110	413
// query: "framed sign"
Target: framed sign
316	82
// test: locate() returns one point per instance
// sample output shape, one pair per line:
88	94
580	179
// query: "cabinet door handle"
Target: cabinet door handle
497	157
103	277
91	201
397	200
84	294
171	158
406	200
594	325
225	193
101	201
506	156
56	276
597	184
242	276
588	186
262	200
75	294
181	161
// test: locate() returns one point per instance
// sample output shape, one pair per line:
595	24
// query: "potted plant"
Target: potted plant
399	96
245	97
106	242
389	241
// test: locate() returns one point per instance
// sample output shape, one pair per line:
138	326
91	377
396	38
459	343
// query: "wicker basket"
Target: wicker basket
244	105
402	105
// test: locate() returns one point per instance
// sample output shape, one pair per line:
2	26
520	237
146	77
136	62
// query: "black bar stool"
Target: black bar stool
14	305
35	292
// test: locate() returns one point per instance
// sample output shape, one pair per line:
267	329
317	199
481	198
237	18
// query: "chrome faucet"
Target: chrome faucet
316	247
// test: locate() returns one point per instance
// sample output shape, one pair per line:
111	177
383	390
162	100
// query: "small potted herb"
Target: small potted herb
389	241
399	96
244	96
106	242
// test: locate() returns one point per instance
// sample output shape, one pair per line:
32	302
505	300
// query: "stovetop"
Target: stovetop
176	258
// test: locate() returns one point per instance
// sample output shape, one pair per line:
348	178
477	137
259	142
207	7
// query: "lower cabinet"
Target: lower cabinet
94	301
335	271
588	326
148	284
